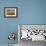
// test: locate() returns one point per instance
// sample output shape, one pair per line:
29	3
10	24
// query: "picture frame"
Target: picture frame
41	28
10	12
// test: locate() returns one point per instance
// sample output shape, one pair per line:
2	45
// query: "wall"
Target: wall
29	12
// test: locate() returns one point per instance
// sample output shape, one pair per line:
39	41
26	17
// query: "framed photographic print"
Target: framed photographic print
33	32
11	12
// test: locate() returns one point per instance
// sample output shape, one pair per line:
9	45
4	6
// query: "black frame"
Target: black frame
11	16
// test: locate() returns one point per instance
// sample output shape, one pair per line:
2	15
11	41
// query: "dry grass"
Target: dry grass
10	13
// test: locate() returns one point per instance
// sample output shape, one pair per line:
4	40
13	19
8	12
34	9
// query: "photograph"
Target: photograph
10	11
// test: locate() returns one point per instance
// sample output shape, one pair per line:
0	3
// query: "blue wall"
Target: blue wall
29	12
